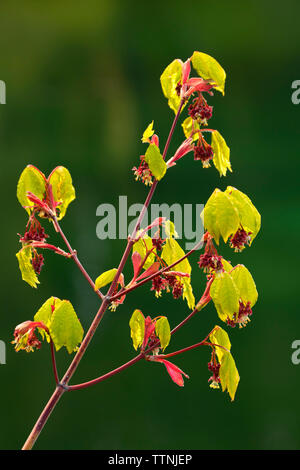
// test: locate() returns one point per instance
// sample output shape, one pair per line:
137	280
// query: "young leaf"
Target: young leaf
221	217
143	245
245	284
137	327
169	80
227	265
105	278
32	180
249	216
156	163
229	375
44	314
225	296
221	151
28	274
208	68
148	133
221	338
190	125
65	328
63	190
174	372
163	331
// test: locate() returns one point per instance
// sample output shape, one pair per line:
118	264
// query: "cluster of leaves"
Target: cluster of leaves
45	199
156	254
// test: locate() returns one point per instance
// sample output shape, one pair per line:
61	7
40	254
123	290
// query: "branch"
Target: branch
73	254
158	273
106	300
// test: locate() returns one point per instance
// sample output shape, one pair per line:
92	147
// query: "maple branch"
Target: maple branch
158	273
61	387
73	254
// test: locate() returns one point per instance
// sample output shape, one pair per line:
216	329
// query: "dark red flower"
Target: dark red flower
143	172
240	239
25	337
215	378
204	152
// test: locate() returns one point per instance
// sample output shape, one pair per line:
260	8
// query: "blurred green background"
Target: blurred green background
82	84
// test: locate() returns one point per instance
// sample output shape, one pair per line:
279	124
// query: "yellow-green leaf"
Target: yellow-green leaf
229	375
28	274
141	246
105	278
226	265
65	328
225	296
163	331
137	327
44	314
221	151
148	133
249	216
245	284
221	338
32	180
221	217
63	189
156	163
169	80
208	68
189	125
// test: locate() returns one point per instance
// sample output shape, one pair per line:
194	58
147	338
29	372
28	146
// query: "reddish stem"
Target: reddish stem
54	362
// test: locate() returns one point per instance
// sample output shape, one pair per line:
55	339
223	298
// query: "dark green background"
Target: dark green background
82	84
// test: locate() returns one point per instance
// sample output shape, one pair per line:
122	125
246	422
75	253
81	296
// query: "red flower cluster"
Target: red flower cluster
25	337
214	367
240	239
143	172
242	318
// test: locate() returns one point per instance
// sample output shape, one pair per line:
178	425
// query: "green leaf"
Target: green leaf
33	180
63	189
141	246
170	229
188	293
171	252
65	328
156	163
221	338
44	314
225	296
208	68
249	216
221	151
169	80
105	278
148	133
163	331
245	283
137	327
28	274
189	125
229	375
221	217
226	265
